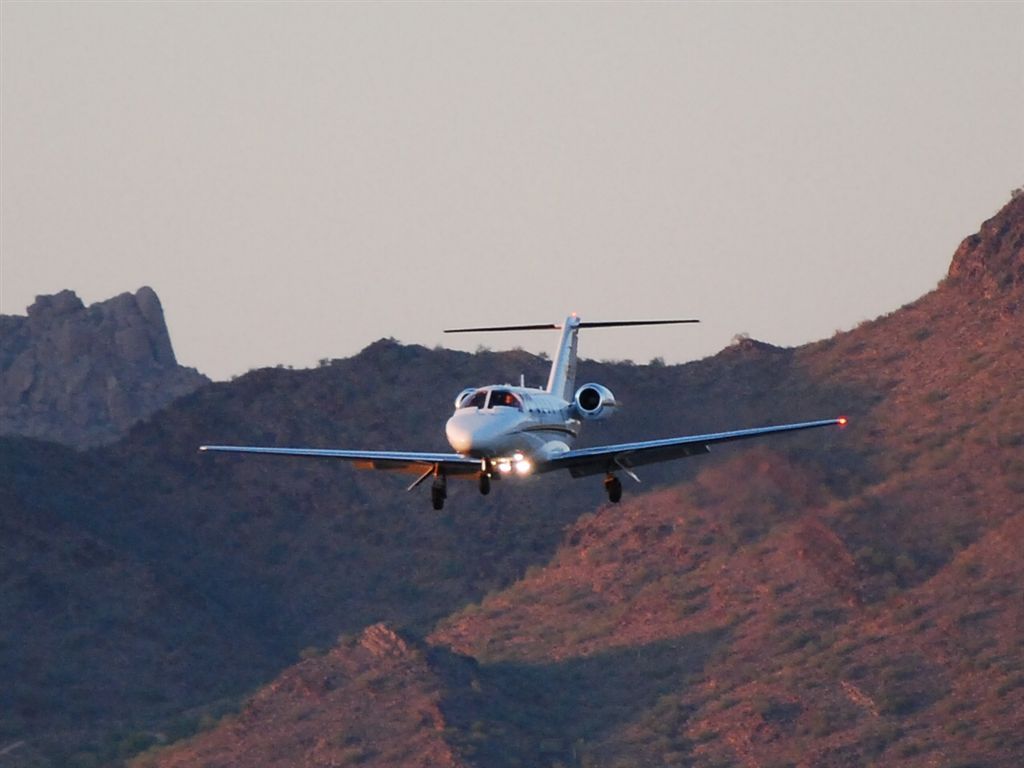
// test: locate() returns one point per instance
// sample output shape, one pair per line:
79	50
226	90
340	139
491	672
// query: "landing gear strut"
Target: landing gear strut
613	487
485	483
439	491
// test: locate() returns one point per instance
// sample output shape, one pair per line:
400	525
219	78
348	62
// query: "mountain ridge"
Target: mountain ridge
705	621
838	634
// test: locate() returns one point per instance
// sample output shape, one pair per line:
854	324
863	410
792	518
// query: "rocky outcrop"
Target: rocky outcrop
991	261
376	703
742	344
383	642
84	375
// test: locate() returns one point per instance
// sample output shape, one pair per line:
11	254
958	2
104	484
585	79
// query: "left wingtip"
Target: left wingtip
842	421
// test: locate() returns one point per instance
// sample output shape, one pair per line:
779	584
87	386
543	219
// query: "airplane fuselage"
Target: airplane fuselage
501	422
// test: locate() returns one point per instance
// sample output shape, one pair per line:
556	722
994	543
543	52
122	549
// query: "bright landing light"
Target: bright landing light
518	461
522	464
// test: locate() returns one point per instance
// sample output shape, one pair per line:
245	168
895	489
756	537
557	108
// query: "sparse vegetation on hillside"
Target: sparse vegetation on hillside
826	600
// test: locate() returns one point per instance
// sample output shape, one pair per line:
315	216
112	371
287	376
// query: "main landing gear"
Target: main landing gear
439	491
613	486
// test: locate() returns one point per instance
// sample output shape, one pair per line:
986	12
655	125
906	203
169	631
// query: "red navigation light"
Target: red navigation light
842	421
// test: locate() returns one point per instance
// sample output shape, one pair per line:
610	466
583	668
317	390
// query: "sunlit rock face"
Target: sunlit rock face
992	260
84	375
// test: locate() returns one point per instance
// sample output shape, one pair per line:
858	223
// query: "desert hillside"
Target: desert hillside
850	602
836	598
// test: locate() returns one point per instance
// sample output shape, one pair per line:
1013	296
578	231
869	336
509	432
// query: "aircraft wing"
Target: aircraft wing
624	456
398	461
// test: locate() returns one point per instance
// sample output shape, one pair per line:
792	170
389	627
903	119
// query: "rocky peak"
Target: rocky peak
47	307
991	261
383	642
84	375
742	344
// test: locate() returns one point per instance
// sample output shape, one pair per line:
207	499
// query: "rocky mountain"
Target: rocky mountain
832	599
374	699
83	375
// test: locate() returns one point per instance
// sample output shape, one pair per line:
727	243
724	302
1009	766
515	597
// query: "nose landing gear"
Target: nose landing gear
613	486
485	483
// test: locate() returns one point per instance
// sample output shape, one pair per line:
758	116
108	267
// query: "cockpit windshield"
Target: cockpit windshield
501	397
498	398
475	400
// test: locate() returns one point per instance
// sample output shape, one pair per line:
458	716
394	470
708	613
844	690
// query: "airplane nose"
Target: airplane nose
460	437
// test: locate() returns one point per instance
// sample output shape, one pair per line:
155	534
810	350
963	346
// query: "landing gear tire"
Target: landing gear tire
438	492
614	488
485	484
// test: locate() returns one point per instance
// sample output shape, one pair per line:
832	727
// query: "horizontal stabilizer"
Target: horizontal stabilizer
540	327
615	323
555	326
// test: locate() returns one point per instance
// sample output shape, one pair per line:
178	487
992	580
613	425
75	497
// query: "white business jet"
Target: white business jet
508	431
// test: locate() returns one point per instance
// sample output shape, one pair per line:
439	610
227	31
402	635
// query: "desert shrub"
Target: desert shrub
897	702
774	710
134	742
827	614
1015	682
1015	478
786	618
796	640
688	609
881	738
822	722
909	749
957	727
1010	440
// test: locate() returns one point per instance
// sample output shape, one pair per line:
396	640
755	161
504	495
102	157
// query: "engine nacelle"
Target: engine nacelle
594	401
463	395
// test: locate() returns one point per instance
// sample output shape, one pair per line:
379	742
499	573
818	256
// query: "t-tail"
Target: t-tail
562	379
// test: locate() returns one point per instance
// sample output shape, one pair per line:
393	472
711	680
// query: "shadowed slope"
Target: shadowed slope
766	557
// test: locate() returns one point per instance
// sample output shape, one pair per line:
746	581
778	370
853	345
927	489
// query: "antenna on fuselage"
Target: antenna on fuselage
562	378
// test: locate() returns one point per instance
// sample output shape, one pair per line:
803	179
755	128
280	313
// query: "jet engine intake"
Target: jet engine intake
594	401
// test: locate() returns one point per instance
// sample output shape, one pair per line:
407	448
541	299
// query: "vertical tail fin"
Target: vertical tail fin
562	379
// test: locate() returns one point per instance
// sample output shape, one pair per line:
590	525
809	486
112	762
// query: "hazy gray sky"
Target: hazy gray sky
298	180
